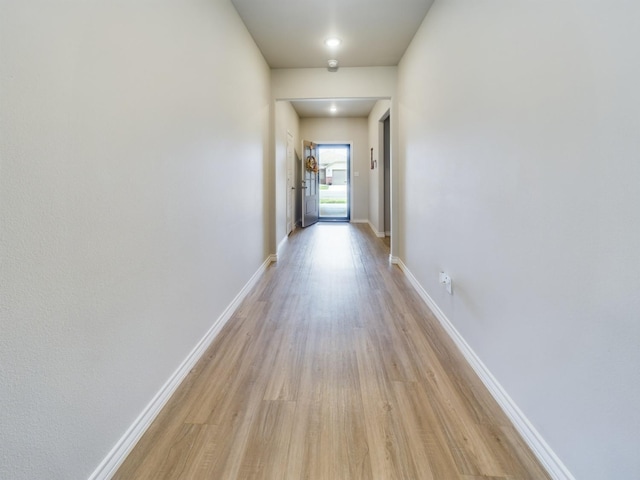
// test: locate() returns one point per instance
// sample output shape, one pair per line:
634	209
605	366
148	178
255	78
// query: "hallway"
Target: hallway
332	369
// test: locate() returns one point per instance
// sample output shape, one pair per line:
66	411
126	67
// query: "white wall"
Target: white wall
346	130
286	121
133	152
519	177
376	176
307	83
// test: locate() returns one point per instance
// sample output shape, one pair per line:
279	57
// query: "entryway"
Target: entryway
334	163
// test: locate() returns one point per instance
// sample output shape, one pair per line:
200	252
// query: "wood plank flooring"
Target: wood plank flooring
332	369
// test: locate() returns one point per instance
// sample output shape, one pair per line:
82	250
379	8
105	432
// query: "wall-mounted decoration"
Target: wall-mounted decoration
312	164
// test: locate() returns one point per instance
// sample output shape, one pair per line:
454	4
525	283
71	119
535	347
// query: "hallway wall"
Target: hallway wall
355	82
133	190
519	177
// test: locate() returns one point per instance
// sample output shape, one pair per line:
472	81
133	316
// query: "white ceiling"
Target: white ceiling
291	34
345	107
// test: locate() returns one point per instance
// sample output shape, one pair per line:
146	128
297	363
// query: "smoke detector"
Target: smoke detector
333	65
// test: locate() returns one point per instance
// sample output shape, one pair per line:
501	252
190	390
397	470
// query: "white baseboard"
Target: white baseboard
281	245
396	261
375	231
540	448
123	447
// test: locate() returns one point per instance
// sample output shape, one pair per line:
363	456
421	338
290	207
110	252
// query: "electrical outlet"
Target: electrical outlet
446	281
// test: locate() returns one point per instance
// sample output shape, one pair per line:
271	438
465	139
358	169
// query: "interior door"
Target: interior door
310	184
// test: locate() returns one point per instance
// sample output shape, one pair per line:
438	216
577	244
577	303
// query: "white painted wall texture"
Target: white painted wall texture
307	83
133	152
519	177
346	130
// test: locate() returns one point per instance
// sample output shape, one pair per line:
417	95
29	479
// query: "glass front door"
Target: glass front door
334	162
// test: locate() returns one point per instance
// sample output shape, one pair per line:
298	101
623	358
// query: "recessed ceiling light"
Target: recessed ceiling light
333	109
332	42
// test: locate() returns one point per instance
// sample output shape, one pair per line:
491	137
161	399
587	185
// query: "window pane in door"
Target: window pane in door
333	161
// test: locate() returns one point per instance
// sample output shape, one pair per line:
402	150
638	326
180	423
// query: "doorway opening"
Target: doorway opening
386	150
334	162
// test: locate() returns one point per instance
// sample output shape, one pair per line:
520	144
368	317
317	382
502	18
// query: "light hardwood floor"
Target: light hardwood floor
332	369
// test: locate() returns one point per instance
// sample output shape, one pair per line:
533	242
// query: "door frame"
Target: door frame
384	175
349	146
291	184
